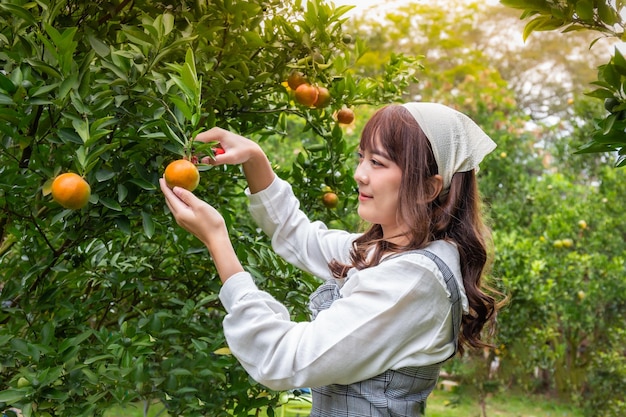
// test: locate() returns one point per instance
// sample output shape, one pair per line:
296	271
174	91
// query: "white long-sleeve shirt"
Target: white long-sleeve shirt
390	316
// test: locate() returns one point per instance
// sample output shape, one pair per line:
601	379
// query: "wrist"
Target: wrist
223	254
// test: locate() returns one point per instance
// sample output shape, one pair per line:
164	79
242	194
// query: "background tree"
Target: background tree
558	236
113	303
603	18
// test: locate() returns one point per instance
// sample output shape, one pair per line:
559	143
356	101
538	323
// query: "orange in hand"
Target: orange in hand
182	173
71	191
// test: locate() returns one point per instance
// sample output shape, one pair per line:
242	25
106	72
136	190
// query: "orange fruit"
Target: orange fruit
71	191
306	94
182	173
345	116
295	79
330	200
323	98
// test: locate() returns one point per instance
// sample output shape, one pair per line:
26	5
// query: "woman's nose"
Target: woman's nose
359	175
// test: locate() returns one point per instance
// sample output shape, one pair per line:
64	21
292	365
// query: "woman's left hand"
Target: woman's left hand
207	224
193	214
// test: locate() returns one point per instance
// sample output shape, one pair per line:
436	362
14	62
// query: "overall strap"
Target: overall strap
453	288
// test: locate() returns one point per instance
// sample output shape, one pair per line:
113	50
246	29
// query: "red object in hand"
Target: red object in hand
219	151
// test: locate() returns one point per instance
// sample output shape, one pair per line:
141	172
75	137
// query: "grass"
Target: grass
446	404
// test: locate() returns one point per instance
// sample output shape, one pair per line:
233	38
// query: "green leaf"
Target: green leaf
610	74
168	23
600	93
98	46
584	10
20	12
12	396
538	5
138	37
104	175
148	224
68	83
542	23
619	62
98	358
123	224
7	85
146	185
607	14
110	203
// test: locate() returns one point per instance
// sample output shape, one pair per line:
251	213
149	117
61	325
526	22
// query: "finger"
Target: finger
174	203
212	135
186	197
213	160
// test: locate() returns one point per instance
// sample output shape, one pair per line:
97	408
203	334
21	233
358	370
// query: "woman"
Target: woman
397	300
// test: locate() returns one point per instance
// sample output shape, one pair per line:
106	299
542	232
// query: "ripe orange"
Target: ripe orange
295	79
330	200
71	191
323	98
306	94
345	116
182	173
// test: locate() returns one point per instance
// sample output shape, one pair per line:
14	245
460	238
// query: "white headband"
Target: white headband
458	143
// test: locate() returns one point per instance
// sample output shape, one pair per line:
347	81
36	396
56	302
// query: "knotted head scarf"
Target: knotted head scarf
458	143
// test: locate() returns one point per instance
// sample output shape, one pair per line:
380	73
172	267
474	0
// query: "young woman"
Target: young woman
397	300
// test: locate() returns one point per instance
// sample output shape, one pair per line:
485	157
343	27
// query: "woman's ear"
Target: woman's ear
435	186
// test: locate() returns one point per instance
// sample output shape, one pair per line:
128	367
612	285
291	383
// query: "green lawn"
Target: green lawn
446	404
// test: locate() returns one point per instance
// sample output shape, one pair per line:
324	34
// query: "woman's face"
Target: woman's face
378	178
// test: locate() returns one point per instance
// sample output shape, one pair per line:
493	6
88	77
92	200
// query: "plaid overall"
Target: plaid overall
394	393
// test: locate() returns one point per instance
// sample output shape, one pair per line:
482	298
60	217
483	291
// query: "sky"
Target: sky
361	5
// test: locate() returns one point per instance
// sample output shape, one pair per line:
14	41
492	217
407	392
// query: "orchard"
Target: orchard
104	300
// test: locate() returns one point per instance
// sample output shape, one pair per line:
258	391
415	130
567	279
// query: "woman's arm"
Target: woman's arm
204	222
304	244
392	316
201	219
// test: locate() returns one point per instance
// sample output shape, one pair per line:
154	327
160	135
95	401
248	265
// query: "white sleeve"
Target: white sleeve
305	244
394	315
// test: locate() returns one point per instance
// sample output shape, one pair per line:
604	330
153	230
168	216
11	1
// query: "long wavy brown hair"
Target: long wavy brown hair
455	216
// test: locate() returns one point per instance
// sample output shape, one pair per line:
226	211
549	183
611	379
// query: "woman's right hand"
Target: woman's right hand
237	149
240	150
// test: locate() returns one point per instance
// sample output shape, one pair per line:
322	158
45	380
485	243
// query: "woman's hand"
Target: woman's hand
240	150
237	149
193	214
207	224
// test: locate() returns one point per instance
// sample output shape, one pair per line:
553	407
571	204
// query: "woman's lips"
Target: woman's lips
364	197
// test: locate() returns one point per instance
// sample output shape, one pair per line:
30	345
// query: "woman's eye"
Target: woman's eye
376	163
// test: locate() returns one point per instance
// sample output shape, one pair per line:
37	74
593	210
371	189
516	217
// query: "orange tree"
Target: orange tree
113	303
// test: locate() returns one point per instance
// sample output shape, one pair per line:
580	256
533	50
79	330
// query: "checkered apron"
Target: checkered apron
394	393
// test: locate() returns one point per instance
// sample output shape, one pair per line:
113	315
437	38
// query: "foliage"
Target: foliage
113	303
604	17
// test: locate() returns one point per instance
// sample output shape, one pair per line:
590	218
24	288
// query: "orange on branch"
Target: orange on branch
306	94
71	191
296	79
345	116
323	98
182	173
330	200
